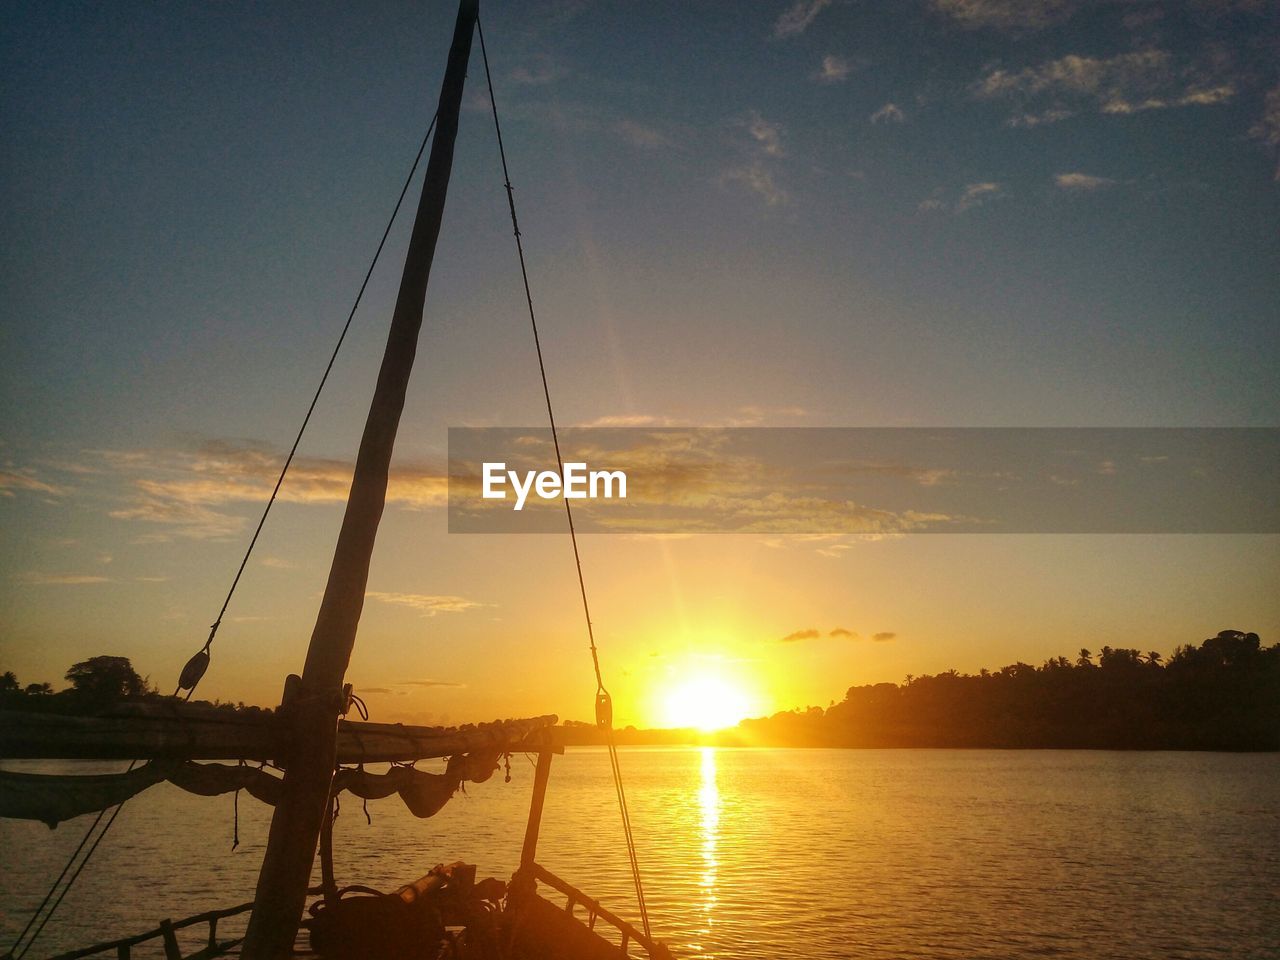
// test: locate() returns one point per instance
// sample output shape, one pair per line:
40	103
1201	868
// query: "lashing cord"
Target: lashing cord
602	694
54	895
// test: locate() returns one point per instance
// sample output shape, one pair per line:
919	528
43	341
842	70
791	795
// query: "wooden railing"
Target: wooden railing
596	910
167	931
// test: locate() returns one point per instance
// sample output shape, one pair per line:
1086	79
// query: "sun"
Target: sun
706	703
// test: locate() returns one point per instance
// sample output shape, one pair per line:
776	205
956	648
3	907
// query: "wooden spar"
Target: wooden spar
42	736
295	827
529	852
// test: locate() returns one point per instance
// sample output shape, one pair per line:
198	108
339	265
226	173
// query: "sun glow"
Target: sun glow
706	703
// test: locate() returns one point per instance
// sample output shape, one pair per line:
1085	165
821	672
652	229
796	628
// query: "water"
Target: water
773	853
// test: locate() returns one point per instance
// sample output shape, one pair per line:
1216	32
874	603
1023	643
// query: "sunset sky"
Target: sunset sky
934	213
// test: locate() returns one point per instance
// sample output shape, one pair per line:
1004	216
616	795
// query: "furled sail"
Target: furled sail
53	798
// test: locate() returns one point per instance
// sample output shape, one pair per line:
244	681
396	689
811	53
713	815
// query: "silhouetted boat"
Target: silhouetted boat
445	913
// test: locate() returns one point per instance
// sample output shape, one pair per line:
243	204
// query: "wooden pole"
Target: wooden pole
314	710
540	777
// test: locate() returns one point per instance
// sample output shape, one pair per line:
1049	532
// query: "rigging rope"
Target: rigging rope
324	378
602	695
14	953
196	666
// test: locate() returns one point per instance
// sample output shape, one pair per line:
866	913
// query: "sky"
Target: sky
933	213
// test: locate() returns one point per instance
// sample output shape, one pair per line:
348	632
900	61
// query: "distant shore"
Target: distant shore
1221	694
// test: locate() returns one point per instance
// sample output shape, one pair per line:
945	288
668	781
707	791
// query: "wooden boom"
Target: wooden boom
42	736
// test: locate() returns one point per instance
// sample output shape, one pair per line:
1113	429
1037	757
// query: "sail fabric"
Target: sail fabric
425	794
53	798
212	779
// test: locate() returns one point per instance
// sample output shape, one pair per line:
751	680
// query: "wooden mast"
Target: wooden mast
314	704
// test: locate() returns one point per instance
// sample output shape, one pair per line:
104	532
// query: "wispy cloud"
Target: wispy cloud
640	135
427	604
1124	84
540	70
1016	15
833	69
971	196
883	637
762	151
809	634
187	492
630	420
429	683
838	633
62	579
1081	182
753	415
977	194
768	135
26	481
889	113
797	18
755	178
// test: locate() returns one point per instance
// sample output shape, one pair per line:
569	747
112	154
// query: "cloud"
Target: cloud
630	420
426	604
971	196
1267	129
186	491
889	113
977	194
26	481
768	135
1016	15
639	135
190	521
62	579
796	19
810	634
539	71
842	633
1029	120
365	691
1124	84
753	415
883	637
759	154
833	70
758	180
429	683
1081	182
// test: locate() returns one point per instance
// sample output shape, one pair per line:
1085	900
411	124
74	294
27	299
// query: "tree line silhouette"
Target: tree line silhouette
97	684
1223	694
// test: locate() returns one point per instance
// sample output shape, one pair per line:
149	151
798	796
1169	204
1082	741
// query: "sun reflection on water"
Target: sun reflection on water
709	804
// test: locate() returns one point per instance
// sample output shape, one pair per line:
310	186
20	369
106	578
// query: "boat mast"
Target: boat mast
312	705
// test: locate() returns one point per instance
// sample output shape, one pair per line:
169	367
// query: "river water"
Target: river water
757	853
